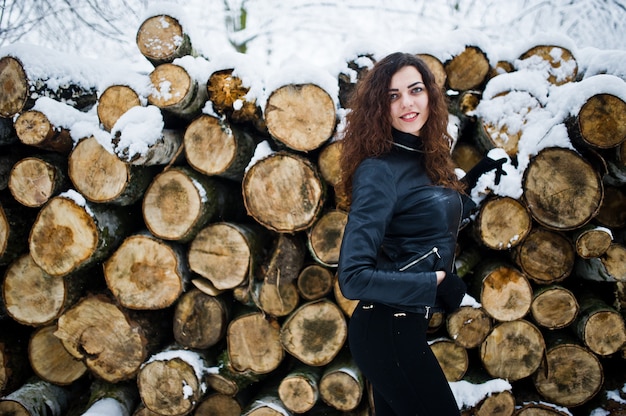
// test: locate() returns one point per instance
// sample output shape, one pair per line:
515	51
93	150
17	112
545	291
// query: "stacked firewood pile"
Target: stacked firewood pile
194	273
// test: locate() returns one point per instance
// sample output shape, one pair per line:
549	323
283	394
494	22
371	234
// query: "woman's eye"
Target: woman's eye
417	90
393	96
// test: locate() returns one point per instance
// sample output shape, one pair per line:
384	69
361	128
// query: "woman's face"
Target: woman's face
408	100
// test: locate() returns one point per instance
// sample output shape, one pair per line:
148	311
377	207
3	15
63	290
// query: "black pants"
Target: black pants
390	348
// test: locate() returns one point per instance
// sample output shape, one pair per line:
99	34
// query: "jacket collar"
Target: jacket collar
407	141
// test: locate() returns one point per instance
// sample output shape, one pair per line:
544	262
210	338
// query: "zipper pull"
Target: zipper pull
427	312
436	250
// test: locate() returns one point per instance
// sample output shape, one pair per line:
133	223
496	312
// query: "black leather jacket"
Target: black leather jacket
400	230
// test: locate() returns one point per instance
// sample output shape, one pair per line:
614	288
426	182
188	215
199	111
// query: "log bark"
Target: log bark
347	79
102	177
9	157
7	133
200	320
180	202
561	189
502	223
284	192
545	256
21	87
468	326
162	148
616	166
554	307
117	399
215	147
33	297
85	331
50	360
513	350
36	398
36	179
503	291
600	122
254	342
452	358
227	253
284	260
229	96
266	403
342	385
176	92
162	38
570	375
611	213
299	390
170	382
15	224
88	233
300	116
324	237
114	101
315	332
599	326
314	282
15	367
557	63
467	70
146	273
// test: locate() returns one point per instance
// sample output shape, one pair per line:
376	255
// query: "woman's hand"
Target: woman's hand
440	276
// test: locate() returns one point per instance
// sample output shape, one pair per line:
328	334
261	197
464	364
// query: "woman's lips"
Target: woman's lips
409	116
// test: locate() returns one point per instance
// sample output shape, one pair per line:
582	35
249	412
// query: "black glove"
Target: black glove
451	291
485	165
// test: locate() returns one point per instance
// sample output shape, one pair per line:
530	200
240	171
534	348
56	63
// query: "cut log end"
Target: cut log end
33	181
602	121
159	38
284	192
62	223
503	223
571	375
221	254
467	70
13	87
171	205
144	274
114	102
562	190
300	116
171	84
98	175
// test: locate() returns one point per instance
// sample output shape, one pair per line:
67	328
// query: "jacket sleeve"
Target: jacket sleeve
373	201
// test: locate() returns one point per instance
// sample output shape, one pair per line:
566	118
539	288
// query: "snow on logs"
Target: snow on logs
192	233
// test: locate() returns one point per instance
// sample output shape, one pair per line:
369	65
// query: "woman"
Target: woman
397	253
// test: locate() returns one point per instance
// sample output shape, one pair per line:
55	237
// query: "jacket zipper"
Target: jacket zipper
434	250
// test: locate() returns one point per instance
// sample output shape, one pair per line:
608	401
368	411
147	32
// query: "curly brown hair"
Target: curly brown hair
368	131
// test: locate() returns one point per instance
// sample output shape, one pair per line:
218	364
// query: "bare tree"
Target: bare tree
59	21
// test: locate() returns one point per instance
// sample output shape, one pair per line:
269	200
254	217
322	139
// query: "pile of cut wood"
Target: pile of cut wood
195	276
